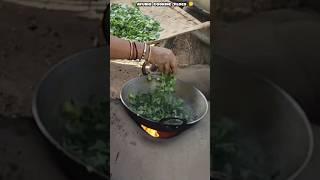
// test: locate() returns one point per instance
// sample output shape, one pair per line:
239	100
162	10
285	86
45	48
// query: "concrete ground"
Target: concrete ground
25	154
282	45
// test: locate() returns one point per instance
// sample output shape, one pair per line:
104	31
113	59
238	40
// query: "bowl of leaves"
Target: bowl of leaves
128	22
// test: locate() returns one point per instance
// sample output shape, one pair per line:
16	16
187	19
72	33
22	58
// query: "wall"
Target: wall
237	9
315	4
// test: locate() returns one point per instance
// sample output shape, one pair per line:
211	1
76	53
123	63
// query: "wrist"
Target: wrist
148	55
131	50
140	49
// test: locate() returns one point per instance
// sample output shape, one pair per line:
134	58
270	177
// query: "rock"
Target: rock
189	49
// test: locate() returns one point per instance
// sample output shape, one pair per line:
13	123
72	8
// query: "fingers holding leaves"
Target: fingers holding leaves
164	59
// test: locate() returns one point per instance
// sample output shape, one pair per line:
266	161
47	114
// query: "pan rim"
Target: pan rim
305	120
295	105
148	119
42	127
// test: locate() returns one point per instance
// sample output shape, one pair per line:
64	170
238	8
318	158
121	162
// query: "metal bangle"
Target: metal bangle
137	53
144	51
149	54
130	57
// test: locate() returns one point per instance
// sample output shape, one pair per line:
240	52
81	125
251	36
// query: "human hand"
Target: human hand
164	59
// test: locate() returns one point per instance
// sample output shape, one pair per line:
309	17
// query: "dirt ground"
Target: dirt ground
19	143
32	41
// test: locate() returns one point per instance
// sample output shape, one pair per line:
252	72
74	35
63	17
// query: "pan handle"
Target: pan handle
177	122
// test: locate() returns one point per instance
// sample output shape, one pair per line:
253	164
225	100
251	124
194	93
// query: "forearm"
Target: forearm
120	49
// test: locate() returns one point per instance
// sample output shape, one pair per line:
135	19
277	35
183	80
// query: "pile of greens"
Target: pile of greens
86	133
161	102
237	155
130	23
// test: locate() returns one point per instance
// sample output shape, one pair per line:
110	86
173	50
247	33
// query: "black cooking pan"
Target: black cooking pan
192	97
79	77
270	118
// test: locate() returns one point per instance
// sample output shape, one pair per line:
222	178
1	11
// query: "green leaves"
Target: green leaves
85	133
161	103
130	23
236	154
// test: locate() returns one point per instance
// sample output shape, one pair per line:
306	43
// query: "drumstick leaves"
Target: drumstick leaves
130	23
85	133
236	154
161	102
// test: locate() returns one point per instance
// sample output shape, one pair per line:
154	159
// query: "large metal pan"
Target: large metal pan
78	77
266	112
194	99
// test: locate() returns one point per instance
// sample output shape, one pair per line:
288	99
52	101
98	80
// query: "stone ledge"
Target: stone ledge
72	5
